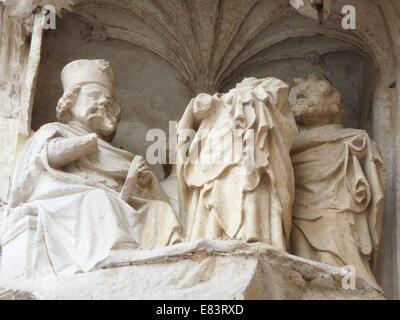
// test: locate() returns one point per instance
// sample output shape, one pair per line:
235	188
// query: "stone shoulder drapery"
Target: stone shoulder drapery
338	208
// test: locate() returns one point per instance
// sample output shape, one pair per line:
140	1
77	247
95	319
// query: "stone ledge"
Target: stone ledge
15	295
202	269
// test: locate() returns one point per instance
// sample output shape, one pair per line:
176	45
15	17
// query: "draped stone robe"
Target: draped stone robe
337	214
80	216
246	199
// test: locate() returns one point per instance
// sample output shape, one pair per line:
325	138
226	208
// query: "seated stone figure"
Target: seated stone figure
77	187
235	178
340	179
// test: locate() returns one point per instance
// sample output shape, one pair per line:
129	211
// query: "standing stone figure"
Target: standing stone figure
235	178
88	197
340	178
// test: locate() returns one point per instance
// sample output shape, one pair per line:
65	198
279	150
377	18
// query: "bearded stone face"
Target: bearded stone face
315	102
96	109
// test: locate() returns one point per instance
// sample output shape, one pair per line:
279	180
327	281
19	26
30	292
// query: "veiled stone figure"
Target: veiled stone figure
340	178
88	198
235	178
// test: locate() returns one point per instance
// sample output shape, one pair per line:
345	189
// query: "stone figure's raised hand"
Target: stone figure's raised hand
139	173
63	151
144	173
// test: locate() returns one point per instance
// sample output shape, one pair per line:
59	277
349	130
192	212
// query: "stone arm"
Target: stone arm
63	151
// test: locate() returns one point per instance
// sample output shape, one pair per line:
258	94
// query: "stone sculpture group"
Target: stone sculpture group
264	165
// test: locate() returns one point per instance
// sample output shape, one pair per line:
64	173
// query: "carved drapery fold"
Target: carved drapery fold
218	45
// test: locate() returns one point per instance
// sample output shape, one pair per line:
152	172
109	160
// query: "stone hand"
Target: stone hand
138	173
143	172
144	175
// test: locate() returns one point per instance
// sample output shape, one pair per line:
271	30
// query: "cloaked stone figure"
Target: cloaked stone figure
235	178
340	178
88	197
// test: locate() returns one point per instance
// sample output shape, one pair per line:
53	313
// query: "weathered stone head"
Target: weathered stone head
202	106
315	102
89	97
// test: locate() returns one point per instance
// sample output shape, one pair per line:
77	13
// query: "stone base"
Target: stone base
15	295
201	269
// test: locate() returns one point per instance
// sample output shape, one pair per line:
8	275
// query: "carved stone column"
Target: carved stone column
13	51
391	11
19	63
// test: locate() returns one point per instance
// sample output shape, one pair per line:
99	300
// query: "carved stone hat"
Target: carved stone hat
81	72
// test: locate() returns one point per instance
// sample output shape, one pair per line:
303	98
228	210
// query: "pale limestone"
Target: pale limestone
203	269
340	183
210	54
15	295
235	178
170	187
75	198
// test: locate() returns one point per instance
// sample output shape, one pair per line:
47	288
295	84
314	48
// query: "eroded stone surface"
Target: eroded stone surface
202	269
15	295
235	177
260	38
340	183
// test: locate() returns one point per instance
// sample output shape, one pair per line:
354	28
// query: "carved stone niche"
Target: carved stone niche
254	39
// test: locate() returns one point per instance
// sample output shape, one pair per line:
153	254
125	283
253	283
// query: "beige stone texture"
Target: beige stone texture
203	270
164	53
340	180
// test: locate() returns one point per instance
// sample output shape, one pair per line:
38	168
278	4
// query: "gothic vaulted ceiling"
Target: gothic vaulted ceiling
206	40
212	44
